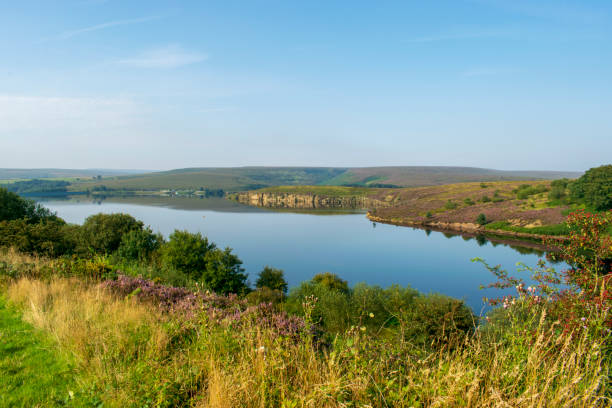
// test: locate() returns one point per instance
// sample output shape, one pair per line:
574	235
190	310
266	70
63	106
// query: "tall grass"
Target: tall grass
131	354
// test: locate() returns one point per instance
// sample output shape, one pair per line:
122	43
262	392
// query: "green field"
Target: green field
249	178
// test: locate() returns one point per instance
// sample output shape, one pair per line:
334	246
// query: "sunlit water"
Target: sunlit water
304	244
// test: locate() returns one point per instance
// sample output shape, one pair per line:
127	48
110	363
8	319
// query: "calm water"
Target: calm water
303	244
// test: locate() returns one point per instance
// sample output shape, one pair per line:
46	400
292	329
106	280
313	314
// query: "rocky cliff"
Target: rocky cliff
306	201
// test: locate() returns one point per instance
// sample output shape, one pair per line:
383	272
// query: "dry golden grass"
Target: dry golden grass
130	354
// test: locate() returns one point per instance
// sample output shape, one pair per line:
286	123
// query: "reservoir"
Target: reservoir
304	244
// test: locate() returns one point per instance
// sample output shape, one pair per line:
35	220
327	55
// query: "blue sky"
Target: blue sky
507	84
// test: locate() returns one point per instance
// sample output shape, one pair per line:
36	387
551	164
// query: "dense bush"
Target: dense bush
102	233
13	207
331	281
138	245
186	252
594	188
272	278
394	311
481	219
49	237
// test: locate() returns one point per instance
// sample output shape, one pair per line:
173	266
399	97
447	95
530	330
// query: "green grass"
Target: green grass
32	371
557	229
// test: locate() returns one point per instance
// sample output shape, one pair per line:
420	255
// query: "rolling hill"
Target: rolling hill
248	178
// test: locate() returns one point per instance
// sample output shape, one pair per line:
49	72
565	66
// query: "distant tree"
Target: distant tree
594	188
485	199
468	201
481	219
331	281
272	278
450	205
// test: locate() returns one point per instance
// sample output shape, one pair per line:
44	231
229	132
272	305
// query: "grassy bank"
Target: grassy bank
33	369
130	352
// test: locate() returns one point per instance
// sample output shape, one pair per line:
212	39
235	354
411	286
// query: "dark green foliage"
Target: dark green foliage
13	207
102	233
139	244
468	201
438	318
266	295
37	186
594	188
483	185
485	199
396	310
450	205
48	237
331	281
186	252
194	256
273	279
224	273
481	219
526	190
429	214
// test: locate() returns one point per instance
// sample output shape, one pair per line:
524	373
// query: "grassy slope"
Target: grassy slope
32	372
244	178
137	356
533	214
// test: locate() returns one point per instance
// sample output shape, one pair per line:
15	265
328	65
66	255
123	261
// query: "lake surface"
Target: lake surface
304	244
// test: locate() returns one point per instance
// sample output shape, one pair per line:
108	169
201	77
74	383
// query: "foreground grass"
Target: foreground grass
135	356
129	353
32	370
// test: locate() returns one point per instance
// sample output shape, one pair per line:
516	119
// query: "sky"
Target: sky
504	84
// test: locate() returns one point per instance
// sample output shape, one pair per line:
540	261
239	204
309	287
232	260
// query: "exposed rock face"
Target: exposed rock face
307	201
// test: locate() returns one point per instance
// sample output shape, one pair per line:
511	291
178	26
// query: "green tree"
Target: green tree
102	233
481	219
224	272
331	281
139	244
272	278
13	207
594	188
186	252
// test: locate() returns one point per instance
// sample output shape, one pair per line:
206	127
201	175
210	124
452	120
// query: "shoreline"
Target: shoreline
474	230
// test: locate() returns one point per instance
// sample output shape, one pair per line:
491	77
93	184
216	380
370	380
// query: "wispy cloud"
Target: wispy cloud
171	56
68	34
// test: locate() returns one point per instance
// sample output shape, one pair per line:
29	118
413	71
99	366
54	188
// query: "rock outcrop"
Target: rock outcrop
307	201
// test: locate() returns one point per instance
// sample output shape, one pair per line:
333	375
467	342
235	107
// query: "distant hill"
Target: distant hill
249	178
26	174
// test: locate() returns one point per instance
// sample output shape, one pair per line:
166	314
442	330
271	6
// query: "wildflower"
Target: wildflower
372	315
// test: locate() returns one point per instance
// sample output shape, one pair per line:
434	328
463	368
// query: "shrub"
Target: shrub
48	237
224	273
483	185
481	219
186	252
102	233
594	188
485	199
428	214
138	245
450	205
273	279
331	281
13	207
468	201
